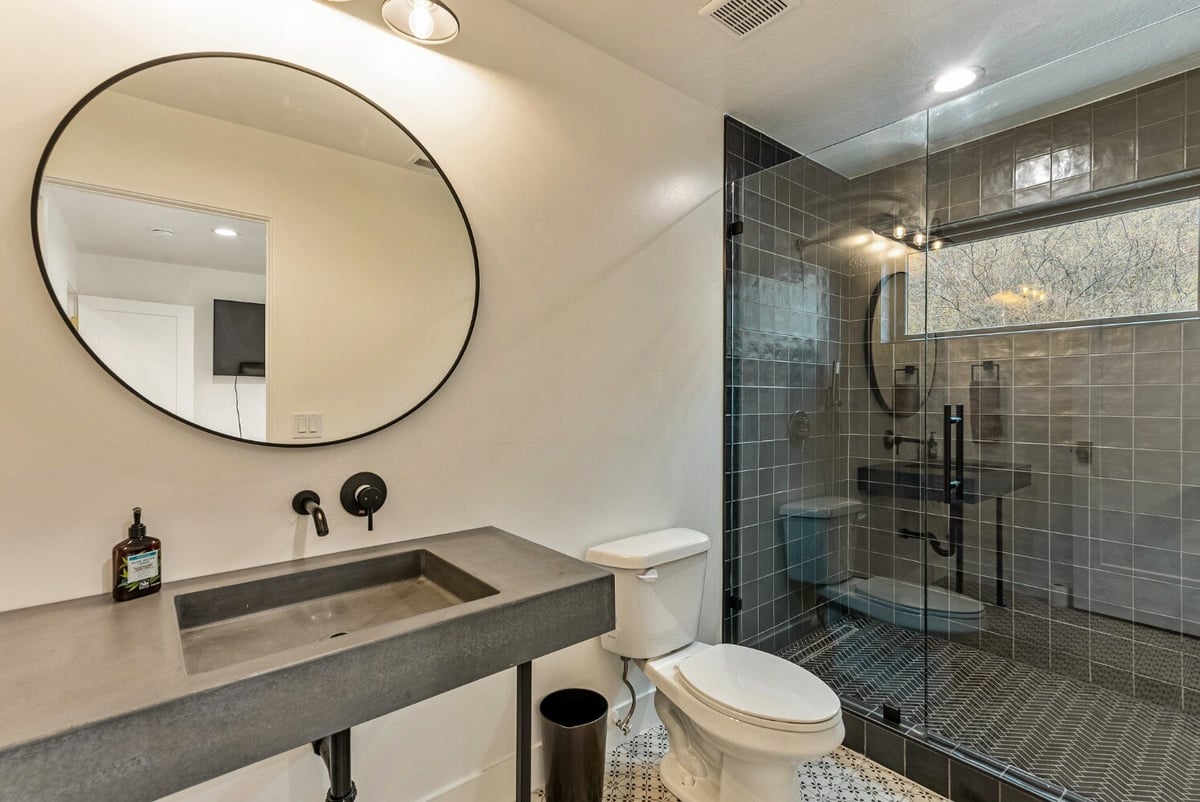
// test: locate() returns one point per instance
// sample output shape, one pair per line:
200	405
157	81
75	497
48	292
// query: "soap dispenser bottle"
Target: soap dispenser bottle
137	562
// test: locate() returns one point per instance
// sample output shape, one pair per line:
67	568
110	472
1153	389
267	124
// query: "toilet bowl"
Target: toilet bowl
740	721
817	547
905	604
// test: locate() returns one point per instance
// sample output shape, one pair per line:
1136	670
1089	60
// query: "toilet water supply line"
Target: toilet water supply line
625	724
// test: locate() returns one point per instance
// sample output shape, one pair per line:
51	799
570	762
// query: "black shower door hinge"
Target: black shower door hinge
735	228
733	603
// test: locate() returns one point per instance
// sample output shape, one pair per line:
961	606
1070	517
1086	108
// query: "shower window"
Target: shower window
1139	264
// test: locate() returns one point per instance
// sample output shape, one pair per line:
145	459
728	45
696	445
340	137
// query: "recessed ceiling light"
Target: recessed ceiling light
954	79
162	233
428	22
225	231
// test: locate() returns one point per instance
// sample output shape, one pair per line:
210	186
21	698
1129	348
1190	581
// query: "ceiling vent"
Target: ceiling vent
419	162
743	17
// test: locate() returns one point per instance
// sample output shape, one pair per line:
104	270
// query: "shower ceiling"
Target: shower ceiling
829	69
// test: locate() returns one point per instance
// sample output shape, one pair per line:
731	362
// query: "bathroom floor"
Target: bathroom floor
844	776
1099	743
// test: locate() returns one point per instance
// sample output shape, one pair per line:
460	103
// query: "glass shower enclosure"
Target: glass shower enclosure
963	433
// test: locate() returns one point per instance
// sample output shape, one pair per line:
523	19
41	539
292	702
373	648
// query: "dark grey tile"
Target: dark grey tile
1114	151
1161	103
1028	197
885	746
968	784
927	767
1032	172
855	732
1160	165
1114	117
1033	139
1160	138
1071	161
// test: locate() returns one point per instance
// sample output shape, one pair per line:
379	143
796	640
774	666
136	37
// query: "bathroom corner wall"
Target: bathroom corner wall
587	407
783	334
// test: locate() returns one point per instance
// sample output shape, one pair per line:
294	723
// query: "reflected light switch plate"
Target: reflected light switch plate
306	425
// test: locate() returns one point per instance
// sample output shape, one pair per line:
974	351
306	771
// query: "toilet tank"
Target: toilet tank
659	587
817	538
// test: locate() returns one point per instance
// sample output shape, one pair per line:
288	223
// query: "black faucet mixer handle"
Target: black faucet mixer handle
362	495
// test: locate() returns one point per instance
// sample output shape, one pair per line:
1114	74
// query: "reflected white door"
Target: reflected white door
149	345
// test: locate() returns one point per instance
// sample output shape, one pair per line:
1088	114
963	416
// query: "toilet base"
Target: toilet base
684	785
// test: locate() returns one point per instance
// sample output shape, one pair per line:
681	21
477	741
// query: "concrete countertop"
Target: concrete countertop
95	703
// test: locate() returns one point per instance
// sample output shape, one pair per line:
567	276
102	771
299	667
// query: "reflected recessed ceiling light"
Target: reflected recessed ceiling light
954	79
225	231
429	22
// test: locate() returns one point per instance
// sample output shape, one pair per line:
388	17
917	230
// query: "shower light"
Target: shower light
919	239
428	22
955	79
936	245
899	231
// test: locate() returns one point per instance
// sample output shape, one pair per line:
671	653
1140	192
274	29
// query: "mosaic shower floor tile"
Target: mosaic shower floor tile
1099	743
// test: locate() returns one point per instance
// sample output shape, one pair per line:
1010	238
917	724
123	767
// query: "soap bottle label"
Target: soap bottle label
141	568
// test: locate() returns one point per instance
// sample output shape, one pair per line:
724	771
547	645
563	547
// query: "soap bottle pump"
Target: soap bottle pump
137	562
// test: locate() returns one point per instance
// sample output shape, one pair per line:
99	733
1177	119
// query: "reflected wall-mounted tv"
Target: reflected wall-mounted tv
239	338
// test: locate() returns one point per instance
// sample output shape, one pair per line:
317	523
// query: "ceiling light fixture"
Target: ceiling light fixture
162	233
428	22
225	231
955	79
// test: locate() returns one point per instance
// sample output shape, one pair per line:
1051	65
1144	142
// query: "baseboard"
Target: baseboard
496	781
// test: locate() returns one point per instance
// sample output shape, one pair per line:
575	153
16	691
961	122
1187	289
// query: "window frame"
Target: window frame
1149	193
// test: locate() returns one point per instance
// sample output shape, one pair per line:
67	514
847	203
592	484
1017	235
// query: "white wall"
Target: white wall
142	280
59	251
588	406
368	263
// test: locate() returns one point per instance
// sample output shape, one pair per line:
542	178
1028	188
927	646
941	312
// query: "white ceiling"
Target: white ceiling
276	99
831	69
115	225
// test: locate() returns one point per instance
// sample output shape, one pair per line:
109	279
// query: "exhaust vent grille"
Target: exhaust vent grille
419	162
743	17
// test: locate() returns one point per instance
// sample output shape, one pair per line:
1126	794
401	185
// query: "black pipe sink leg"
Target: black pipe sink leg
335	751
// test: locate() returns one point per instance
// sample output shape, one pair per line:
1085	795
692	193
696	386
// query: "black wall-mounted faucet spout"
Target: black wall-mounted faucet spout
307	502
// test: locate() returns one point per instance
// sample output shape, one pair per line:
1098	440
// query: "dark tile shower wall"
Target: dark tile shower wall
783	333
1143	133
1107	418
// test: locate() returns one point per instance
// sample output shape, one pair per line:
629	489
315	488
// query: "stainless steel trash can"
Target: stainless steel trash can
574	731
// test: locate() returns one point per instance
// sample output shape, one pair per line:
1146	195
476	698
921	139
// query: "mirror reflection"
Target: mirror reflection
901	363
256	250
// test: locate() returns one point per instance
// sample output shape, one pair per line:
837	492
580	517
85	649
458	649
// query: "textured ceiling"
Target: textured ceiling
831	69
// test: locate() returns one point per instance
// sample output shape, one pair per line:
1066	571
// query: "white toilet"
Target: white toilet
740	721
818	552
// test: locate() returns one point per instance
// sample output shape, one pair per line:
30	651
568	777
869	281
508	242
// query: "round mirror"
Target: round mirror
255	249
902	365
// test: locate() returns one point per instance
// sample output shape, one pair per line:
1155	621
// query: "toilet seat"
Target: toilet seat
760	689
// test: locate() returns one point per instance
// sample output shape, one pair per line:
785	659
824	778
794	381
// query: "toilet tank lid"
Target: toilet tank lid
822	507
650	549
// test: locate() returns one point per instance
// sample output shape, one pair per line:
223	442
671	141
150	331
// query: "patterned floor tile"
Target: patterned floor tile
844	776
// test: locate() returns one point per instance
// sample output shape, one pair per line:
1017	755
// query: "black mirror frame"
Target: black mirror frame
37	245
868	340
